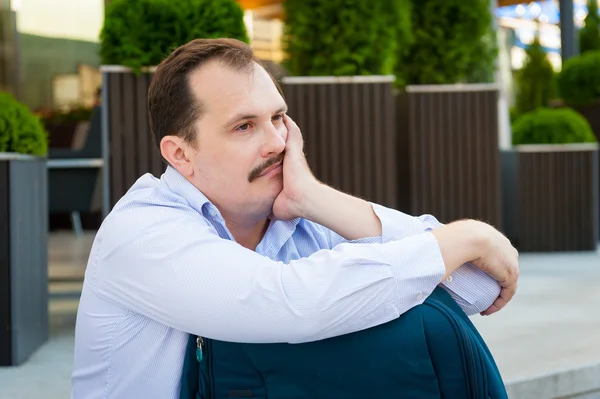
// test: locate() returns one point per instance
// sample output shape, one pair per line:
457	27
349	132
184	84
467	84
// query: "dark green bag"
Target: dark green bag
431	351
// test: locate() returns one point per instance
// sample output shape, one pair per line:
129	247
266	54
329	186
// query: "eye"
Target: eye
243	128
278	117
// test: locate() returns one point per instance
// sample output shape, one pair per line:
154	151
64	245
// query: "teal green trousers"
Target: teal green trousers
431	351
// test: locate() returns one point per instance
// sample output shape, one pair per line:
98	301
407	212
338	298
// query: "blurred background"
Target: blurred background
486	109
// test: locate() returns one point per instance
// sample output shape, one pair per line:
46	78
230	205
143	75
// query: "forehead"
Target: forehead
224	91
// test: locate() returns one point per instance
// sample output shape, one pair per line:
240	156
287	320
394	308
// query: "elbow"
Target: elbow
310	324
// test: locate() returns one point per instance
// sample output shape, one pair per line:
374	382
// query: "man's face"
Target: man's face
240	137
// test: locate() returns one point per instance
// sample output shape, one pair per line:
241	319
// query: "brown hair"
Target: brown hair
172	107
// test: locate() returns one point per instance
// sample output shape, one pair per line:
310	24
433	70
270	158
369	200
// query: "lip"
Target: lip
271	169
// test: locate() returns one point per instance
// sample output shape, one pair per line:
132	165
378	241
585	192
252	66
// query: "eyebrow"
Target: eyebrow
240	117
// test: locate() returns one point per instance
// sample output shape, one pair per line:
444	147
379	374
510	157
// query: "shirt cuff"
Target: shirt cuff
474	290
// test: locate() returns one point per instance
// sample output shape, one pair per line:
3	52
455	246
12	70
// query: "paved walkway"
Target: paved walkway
552	324
554	320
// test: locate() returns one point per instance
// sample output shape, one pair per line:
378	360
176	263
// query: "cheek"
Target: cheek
231	168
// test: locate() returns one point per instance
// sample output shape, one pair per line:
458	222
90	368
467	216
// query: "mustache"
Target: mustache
267	164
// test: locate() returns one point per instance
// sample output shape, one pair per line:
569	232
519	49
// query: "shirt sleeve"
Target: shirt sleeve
473	290
175	269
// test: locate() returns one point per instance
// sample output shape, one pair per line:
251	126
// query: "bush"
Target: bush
452	39
589	35
579	81
535	81
482	69
141	33
552	126
345	37
20	130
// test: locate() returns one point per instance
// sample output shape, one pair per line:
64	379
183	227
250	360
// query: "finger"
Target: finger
294	138
291	126
506	294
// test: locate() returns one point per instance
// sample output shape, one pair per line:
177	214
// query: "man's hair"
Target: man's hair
173	109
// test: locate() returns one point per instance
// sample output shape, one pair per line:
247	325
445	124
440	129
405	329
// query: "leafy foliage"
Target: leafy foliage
481	69
552	126
345	37
589	35
20	130
453	42
140	33
535	81
579	81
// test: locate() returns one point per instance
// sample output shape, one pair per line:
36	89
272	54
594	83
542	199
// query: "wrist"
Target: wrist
460	242
311	198
475	238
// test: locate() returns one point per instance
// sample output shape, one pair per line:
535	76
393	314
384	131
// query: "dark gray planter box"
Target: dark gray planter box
448	158
23	257
551	197
510	202
592	114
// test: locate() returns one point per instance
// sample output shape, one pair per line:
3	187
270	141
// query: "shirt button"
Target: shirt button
449	279
421	297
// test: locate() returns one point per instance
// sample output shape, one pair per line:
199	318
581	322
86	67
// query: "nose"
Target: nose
274	142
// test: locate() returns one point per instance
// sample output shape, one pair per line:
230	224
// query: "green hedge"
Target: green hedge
345	37
552	126
453	42
141	33
579	80
20	130
589	35
535	81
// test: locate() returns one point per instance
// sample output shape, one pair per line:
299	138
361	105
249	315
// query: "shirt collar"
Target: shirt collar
182	187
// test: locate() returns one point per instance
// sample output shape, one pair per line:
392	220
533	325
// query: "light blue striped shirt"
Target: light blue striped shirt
163	265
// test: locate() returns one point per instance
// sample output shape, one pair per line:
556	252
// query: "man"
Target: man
237	241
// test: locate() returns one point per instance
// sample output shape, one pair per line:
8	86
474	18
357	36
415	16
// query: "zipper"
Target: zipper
473	369
203	349
464	335
199	352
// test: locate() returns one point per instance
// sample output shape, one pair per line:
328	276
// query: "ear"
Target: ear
176	151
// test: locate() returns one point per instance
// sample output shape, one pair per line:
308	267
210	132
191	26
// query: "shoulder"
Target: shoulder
149	208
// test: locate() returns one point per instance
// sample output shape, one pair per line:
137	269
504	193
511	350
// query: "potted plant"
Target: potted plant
589	35
555	205
61	125
135	37
535	87
23	232
535	81
341	57
579	86
448	113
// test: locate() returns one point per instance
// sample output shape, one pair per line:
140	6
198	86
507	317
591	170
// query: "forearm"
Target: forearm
348	216
329	293
354	218
473	289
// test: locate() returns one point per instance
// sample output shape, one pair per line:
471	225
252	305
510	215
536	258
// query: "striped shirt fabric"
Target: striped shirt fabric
164	265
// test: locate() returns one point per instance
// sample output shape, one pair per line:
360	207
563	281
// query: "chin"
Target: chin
269	200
